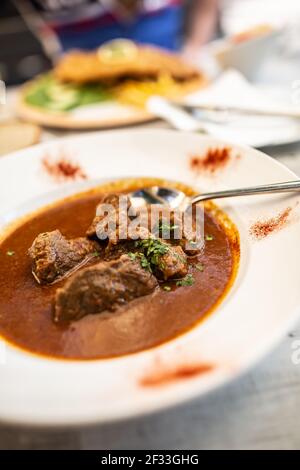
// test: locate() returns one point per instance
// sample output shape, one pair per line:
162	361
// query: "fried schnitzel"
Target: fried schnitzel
147	62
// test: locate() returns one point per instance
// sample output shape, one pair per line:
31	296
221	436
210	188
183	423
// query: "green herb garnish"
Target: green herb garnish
153	250
180	258
165	226
10	253
209	238
199	267
188	280
167	288
164	229
145	263
143	260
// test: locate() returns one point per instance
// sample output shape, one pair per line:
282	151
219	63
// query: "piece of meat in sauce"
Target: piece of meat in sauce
175	227
173	264
103	286
170	265
53	256
166	261
106	226
100	227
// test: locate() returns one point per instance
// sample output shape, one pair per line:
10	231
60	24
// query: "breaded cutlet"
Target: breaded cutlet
148	62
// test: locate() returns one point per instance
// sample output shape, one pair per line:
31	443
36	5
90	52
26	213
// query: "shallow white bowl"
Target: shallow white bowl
262	304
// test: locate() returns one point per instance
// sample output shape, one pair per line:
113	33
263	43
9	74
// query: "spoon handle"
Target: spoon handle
266	188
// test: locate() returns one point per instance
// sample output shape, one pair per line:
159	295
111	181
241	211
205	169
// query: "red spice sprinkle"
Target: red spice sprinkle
63	169
262	229
215	159
182	372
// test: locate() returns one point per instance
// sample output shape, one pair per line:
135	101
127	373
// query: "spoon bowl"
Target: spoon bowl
159	195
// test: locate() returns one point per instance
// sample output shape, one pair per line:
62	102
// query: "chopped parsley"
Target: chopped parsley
143	260
199	267
180	258
10	253
209	238
188	280
153	250
96	253
167	288
164	229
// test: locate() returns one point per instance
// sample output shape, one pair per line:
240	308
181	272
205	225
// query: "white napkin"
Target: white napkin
232	89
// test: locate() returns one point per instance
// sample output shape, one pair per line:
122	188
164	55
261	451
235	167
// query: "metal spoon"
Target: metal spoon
177	199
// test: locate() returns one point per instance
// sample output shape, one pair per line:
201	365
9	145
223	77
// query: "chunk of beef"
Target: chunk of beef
166	261
53	256
178	229
173	264
191	241
161	222
103	286
106	226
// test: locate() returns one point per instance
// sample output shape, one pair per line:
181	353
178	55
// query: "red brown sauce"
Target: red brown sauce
26	308
166	376
62	168
263	228
214	160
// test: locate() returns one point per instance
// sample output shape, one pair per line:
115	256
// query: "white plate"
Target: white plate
94	116
261	306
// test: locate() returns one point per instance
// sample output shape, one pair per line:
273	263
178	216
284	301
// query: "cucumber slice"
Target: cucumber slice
50	94
62	97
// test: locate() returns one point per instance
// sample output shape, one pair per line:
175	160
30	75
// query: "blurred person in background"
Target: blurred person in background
67	24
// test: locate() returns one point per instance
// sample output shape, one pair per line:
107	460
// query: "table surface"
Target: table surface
257	411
